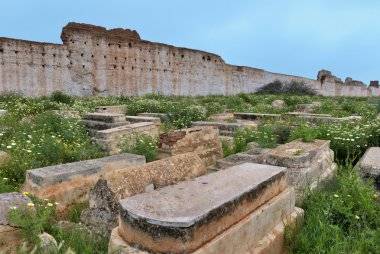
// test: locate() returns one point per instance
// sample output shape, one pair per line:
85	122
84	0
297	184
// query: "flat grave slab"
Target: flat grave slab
116	109
255	116
70	183
105	117
182	217
138	119
225	128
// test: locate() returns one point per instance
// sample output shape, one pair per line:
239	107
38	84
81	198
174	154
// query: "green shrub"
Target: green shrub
293	87
61	97
142	144
227	149
304	132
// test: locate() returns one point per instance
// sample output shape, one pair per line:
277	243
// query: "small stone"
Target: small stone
278	104
48	244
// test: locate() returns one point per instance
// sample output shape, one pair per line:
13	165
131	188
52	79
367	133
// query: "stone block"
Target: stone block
278	103
70	183
116	109
204	141
9	200
139	119
225	128
164	117
323	117
101	216
4	157
165	220
369	165
255	116
109	139
222	117
67	113
105	117
307	108
2	112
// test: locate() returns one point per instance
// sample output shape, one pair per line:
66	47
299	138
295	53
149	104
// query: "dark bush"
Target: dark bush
61	97
292	87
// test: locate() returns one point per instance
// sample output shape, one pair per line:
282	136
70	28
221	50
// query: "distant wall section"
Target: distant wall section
96	61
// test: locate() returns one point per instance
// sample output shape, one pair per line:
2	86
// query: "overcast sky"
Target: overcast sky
292	37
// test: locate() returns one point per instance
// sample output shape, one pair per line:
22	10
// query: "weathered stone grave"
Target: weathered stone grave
221	117
117	109
369	165
323	117
139	119
306	163
67	113
225	128
70	183
308	108
2	112
109	139
101	217
204	141
243	209
102	121
10	236
255	116
165	118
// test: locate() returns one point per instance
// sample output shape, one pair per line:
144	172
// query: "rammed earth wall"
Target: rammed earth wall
96	61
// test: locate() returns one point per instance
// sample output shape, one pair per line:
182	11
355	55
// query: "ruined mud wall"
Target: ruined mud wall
96	61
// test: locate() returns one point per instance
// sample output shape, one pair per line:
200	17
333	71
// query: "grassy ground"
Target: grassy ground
341	217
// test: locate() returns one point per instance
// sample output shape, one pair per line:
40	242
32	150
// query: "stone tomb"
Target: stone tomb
139	119
256	116
306	163
164	117
102	121
236	210
109	139
204	141
102	214
308	108
118	109
369	165
10	236
70	183
324	117
225	128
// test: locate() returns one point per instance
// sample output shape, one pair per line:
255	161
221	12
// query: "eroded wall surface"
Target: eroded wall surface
96	61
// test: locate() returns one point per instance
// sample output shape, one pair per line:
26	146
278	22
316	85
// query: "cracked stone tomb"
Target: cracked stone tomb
102	121
307	163
369	166
70	183
242	209
204	141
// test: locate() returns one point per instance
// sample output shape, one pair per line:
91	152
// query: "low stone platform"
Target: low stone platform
307	163
323	117
164	117
308	108
225	128
113	186
246	203
70	183
10	236
109	139
67	113
204	141
102	121
116	109
139	119
369	165
255	116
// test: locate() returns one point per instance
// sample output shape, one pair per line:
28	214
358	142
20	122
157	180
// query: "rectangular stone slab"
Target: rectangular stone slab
105	117
370	163
254	116
138	119
65	172
118	109
182	217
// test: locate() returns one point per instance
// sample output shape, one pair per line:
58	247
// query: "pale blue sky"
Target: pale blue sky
292	37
